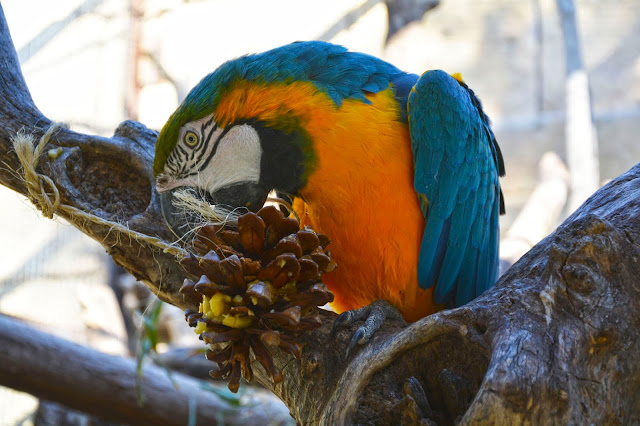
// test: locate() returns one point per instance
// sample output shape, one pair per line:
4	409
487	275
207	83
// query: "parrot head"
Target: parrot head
234	166
228	149
242	131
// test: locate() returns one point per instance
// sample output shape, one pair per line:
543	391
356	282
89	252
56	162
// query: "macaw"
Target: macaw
402	172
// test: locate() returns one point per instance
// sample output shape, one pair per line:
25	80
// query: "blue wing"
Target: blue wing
457	165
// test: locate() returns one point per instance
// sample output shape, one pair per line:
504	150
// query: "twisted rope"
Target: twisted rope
45	195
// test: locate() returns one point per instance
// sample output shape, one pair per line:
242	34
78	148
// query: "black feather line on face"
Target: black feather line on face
206	138
205	163
282	166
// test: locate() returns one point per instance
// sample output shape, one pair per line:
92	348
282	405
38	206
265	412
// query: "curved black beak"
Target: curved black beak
177	219
249	195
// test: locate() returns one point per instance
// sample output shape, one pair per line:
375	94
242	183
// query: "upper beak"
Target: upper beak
249	195
174	217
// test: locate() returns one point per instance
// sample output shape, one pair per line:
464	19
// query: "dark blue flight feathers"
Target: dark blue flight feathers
457	165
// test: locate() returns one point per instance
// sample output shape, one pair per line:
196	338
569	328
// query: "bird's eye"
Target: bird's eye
191	139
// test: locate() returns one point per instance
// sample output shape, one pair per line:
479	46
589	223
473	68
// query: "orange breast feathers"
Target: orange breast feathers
360	192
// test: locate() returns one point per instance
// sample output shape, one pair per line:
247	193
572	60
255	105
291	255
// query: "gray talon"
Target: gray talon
342	319
374	315
359	337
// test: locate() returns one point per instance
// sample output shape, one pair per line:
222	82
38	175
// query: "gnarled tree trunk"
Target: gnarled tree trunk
555	341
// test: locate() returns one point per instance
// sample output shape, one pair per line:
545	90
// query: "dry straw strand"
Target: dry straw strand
202	213
45	195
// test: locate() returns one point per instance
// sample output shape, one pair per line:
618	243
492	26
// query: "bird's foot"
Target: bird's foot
374	315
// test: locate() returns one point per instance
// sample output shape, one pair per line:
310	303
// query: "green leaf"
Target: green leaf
148	343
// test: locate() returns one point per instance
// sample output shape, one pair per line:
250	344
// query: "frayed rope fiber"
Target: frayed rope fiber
45	195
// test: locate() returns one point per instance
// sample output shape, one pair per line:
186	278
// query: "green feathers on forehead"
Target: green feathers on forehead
333	70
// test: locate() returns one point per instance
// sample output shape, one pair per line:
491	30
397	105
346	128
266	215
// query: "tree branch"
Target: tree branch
541	212
581	135
105	386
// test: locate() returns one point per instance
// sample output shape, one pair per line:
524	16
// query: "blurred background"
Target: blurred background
95	63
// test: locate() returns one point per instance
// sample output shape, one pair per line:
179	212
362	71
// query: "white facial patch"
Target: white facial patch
219	158
237	159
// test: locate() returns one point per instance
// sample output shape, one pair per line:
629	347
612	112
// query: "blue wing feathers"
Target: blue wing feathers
491	272
457	163
468	273
463	216
435	252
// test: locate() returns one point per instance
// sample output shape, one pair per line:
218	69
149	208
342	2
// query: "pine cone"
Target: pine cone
258	288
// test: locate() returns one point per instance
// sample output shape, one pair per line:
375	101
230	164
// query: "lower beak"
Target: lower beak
248	195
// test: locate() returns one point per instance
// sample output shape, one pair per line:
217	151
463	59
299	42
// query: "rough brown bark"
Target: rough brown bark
105	385
555	341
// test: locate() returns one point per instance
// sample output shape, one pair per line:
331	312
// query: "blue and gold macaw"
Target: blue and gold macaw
400	171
